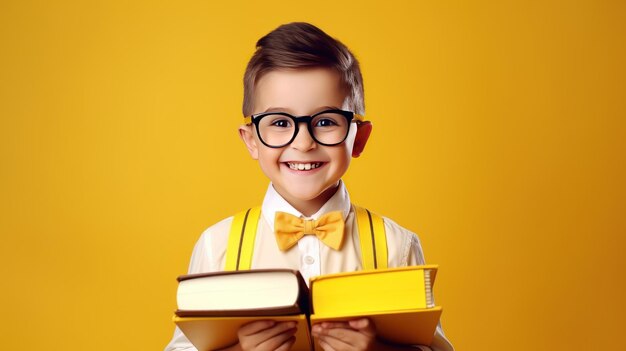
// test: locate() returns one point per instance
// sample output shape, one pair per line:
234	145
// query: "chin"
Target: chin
306	195
310	193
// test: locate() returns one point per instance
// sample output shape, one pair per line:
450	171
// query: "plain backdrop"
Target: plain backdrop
498	138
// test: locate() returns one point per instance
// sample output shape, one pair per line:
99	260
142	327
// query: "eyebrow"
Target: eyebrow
276	109
284	109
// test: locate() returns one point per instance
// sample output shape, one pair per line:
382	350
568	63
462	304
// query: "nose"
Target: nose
303	140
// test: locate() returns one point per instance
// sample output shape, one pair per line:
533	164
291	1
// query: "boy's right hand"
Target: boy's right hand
267	335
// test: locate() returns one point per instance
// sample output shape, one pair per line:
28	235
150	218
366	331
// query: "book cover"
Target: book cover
411	327
214	333
398	300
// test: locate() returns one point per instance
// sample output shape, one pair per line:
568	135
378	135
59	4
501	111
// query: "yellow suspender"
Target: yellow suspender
243	232
241	239
372	237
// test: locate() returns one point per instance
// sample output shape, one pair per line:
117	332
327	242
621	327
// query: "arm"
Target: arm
415	256
406	250
203	259
179	342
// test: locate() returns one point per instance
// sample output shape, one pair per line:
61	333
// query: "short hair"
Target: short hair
300	45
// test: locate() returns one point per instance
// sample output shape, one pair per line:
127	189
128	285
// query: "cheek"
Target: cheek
342	157
349	143
268	159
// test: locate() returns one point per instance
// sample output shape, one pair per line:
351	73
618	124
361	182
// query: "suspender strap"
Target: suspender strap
241	239
243	233
372	237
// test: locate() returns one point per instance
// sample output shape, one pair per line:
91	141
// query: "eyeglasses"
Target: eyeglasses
279	129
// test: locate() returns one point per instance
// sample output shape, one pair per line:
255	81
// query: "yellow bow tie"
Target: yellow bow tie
289	229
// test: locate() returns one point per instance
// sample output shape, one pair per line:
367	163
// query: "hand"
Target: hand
267	335
356	334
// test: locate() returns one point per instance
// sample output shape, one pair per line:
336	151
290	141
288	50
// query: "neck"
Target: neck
309	207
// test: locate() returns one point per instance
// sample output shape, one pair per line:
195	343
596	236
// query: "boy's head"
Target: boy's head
300	71
300	46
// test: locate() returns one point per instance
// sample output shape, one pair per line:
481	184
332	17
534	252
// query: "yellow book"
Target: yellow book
398	300
214	333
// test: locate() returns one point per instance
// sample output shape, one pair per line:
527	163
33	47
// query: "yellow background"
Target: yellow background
498	138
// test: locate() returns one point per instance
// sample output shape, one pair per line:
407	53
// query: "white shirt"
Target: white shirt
310	257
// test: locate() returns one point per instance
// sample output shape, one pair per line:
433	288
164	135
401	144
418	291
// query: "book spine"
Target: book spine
429	289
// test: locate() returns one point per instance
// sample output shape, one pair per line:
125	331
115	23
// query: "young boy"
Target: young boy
304	93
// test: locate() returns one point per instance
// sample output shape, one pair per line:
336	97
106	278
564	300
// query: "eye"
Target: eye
325	122
281	123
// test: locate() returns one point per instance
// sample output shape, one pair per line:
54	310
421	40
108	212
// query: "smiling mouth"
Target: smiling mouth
304	166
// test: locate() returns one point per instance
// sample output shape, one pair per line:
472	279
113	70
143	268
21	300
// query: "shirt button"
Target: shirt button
309	260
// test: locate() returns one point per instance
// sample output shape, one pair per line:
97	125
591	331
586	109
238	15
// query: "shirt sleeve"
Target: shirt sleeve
199	258
416	257
410	253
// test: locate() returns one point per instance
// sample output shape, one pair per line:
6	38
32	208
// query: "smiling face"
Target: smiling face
305	173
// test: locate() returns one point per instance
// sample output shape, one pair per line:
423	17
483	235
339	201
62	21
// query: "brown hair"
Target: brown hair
302	45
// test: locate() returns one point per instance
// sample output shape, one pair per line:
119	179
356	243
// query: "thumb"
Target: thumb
362	324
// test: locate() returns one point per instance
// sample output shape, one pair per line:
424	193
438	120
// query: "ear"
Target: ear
246	133
364	129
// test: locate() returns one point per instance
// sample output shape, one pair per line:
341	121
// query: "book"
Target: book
398	300
213	306
269	292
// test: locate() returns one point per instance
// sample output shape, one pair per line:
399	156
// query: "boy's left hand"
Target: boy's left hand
356	334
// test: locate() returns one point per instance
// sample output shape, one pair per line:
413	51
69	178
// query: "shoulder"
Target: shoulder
398	232
210	249
219	228
218	233
403	245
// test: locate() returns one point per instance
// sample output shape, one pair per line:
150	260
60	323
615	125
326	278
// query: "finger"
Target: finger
335	324
326	346
287	344
364	325
348	335
318	327
355	339
255	327
335	344
254	340
277	340
278	329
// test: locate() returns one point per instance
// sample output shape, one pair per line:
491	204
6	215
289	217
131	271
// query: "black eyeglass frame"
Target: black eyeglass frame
349	115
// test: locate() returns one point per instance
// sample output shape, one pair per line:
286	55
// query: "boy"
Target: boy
298	70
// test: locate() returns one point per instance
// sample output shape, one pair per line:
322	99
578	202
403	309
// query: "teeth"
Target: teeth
304	166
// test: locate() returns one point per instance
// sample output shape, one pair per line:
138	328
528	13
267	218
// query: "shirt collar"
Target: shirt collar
274	202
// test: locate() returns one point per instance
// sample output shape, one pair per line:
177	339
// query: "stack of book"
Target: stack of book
213	306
